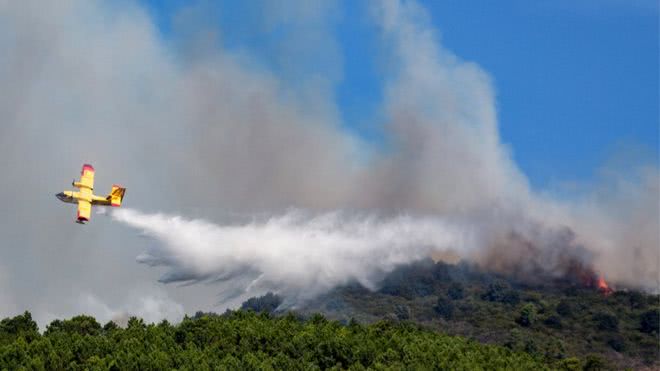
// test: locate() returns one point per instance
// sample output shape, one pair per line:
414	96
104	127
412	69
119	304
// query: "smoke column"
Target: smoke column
197	129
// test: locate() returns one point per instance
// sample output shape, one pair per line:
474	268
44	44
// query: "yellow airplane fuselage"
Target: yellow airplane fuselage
72	197
85	198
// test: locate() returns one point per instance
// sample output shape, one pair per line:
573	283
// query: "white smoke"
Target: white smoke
194	128
149	303
294	254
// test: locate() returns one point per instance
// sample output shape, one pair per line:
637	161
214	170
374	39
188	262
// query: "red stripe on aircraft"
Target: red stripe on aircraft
87	167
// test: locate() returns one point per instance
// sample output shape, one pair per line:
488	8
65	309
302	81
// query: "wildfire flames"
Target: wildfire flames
603	286
589	278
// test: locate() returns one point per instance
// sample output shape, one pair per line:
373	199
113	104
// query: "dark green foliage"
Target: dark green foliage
606	321
563	330
635	299
569	321
571	363
248	341
267	303
556	349
527	315
109	327
20	326
402	312
500	291
495	291
553	322
441	272
414	281
650	321
445	307
82	325
200	314
564	308
456	291
511	297
617	343
594	363
571	291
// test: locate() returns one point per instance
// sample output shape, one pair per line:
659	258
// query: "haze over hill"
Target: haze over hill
203	132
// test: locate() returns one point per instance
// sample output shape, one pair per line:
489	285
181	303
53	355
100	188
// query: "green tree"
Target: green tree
82	325
455	291
606	321
527	315
595	363
402	312
109	327
650	321
267	303
637	300
564	308
500	291
617	343
247	340
445	308
18	326
495	291
553	322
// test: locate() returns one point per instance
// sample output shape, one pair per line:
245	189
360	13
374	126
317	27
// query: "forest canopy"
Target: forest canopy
244	340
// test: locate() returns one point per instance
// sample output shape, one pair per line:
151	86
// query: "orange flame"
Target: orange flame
603	286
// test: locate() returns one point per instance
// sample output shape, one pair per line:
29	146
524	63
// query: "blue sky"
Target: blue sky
576	81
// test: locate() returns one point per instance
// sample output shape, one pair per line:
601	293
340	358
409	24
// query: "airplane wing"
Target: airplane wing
86	185
84	211
86	178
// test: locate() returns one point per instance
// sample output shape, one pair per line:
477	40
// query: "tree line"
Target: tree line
245	340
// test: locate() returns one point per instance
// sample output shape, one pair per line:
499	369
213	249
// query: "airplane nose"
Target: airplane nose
60	195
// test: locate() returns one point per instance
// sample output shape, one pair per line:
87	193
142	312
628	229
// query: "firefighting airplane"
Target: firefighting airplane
86	198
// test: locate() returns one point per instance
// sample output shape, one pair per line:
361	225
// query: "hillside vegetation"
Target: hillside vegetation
425	316
554	319
246	341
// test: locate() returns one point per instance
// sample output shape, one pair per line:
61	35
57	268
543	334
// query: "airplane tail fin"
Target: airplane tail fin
116	195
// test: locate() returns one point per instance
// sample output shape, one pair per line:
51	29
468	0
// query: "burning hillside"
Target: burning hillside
219	152
621	327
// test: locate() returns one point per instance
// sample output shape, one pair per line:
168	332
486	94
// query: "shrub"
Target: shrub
571	291
527	315
445	308
594	363
553	322
495	291
555	349
412	281
606	321
570	363
531	347
617	343
564	308
402	312
650	321
511	297
456	291
441	271
267	303
499	291
637	300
